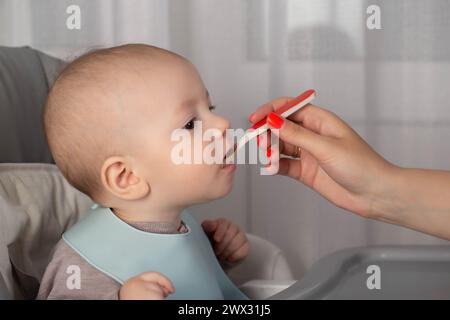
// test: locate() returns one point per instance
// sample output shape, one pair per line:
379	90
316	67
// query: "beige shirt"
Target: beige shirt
94	285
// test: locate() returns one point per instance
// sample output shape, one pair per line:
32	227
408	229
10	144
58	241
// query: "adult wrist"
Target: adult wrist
387	202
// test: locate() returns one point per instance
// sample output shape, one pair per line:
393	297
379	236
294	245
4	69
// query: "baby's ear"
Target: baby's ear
119	178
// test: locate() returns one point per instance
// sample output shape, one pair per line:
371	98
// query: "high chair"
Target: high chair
37	204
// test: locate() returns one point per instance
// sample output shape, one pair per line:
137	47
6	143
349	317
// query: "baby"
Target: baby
108	121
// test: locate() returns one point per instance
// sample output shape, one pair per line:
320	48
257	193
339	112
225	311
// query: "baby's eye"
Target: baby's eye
211	108
189	125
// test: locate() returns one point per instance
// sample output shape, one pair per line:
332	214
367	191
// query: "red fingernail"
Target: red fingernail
269	152
274	120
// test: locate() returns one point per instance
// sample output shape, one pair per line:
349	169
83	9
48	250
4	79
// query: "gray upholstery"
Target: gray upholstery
25	76
36	206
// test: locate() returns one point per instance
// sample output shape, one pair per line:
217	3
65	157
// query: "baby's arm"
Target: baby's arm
69	276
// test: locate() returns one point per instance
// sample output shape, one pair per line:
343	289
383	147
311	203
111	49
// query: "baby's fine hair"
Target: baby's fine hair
82	112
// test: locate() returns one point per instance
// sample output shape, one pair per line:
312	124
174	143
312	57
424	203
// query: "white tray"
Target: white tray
406	272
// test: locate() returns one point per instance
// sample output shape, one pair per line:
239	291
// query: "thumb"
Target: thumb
209	226
292	133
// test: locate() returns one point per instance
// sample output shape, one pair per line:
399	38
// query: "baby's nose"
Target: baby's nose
224	124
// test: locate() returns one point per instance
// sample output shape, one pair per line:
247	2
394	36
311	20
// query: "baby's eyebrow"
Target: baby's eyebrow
192	101
188	102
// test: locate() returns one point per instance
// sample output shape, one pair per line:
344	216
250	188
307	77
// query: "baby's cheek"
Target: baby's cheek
202	181
199	175
191	176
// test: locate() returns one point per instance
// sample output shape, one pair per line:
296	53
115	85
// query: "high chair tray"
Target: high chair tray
404	272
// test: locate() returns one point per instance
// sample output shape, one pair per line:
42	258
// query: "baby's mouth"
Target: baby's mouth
229	154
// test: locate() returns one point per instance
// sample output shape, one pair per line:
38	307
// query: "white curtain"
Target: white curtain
391	85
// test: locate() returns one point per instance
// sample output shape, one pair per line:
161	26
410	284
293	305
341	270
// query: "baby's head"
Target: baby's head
109	119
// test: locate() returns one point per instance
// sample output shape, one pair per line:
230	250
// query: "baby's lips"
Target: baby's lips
229	147
229	155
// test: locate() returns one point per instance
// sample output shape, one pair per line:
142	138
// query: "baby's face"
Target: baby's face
170	102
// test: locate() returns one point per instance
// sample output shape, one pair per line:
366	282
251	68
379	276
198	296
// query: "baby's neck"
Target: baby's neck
172	216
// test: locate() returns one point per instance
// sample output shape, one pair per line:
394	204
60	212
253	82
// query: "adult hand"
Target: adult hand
335	161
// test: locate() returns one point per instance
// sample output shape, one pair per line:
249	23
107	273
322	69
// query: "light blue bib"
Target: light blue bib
122	251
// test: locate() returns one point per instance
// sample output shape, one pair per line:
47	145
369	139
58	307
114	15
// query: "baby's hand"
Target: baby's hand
230	243
146	286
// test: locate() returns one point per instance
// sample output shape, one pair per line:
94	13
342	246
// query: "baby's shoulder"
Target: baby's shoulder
64	261
67	266
64	253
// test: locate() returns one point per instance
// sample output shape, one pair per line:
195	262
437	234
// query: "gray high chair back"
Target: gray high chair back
26	75
37	204
27	236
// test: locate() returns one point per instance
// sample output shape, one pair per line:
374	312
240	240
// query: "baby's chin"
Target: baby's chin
218	192
224	190
219	188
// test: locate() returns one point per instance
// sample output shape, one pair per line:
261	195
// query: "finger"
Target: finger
287	149
241	253
222	228
305	169
209	226
290	168
157	292
320	121
234	245
263	140
267	108
272	167
231	233
265	143
321	147
158	278
157	288
166	291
